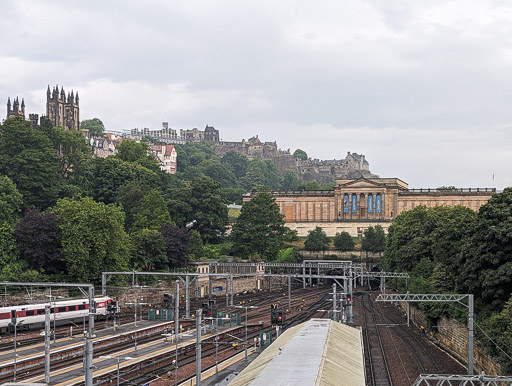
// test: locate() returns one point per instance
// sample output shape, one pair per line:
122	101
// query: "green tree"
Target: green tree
11	202
70	145
195	245
220	173
343	241
485	256
237	162
204	201
374	239
317	240
290	180
28	158
500	331
192	154
149	252
130	196
11	268
101	178
176	245
152	212
95	127
93	238
38	237
301	154
137	152
310	185
259	230
255	175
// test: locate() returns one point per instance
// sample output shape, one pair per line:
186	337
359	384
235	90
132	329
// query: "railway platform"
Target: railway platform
162	347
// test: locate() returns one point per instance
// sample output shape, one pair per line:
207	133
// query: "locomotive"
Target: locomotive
33	316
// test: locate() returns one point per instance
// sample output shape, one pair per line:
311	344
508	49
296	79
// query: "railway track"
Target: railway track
301	306
376	362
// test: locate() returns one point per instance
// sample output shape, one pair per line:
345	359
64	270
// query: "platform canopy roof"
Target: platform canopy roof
317	352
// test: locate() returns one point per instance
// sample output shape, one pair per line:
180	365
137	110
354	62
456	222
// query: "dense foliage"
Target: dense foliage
317	240
458	250
259	230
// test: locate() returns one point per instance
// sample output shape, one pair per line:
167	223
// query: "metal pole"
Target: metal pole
471	316
231	290
103	284
177	310
270	281
47	344
197	287
289	293
210	282
350	317
408	314
88	362
334	301
216	347
304	276
246	332
117	383
176	365
198	347
135	332
92	310
227	293
187	298
15	344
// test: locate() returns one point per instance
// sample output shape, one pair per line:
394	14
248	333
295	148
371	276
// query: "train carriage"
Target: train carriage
33	315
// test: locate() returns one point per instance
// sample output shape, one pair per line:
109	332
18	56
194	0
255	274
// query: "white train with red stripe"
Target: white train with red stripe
32	315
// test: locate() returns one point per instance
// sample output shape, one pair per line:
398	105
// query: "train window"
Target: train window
61	309
81	306
40	311
13	313
30	312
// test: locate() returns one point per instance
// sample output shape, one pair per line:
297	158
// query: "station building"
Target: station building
356	204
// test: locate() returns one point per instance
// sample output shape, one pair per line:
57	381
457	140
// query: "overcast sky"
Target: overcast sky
422	88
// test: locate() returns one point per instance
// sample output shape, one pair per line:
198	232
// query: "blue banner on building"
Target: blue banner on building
345	203
354	203
217	289
370	203
378	203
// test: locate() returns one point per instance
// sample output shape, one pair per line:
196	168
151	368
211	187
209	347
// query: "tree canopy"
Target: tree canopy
93	238
259	230
28	158
343	241
317	240
95	127
299	153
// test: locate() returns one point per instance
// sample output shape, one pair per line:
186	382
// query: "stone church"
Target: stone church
61	110
356	204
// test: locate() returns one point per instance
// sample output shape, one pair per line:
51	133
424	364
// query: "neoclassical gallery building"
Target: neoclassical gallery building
356	204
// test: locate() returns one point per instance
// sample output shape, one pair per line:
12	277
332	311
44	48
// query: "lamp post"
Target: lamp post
118	360
246	308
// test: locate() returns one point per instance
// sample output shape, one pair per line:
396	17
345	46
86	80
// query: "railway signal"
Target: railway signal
274	313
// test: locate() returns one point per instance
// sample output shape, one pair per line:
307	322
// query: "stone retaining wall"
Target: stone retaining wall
453	336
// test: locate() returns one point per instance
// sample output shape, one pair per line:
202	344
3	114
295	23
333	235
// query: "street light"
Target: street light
246	308
118	359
